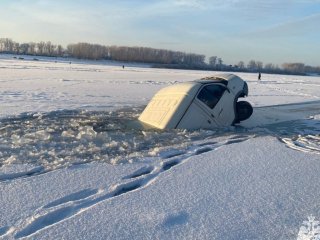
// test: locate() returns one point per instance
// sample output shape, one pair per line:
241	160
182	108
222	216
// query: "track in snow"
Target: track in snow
68	206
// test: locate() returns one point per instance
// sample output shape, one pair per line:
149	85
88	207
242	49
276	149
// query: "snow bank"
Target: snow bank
229	192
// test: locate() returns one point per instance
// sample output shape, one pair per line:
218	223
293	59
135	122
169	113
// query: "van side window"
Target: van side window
211	94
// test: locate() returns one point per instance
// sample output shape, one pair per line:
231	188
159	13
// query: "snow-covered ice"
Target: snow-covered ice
72	166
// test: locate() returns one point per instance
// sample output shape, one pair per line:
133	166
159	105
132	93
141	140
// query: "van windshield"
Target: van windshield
211	94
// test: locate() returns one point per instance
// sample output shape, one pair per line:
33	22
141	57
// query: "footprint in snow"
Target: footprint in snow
73	197
4	230
141	172
175	219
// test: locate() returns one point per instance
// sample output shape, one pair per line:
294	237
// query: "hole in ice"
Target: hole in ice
71	137
68	138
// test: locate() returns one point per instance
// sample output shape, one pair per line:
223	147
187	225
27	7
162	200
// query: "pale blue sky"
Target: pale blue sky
273	31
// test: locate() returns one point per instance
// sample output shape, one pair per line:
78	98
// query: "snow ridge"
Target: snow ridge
309	143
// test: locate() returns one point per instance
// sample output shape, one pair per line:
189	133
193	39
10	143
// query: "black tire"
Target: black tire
243	110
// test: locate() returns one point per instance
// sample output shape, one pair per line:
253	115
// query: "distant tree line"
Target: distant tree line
31	48
157	57
98	52
286	68
133	54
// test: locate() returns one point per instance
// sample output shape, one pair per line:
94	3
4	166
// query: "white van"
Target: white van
206	103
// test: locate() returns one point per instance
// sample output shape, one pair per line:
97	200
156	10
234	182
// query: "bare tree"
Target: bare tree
294	67
270	67
24	48
252	66
16	47
6	45
32	48
49	48
2	44
40	47
213	61
259	65
241	65
59	50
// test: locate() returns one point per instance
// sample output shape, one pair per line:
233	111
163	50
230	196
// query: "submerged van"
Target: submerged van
206	103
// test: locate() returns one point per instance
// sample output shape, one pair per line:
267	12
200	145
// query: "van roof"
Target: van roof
207	81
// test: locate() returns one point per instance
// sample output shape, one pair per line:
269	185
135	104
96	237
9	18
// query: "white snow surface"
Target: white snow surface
72	168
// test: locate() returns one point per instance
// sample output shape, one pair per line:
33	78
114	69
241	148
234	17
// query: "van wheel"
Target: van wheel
244	110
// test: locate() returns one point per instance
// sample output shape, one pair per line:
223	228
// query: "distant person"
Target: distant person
259	76
122	66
